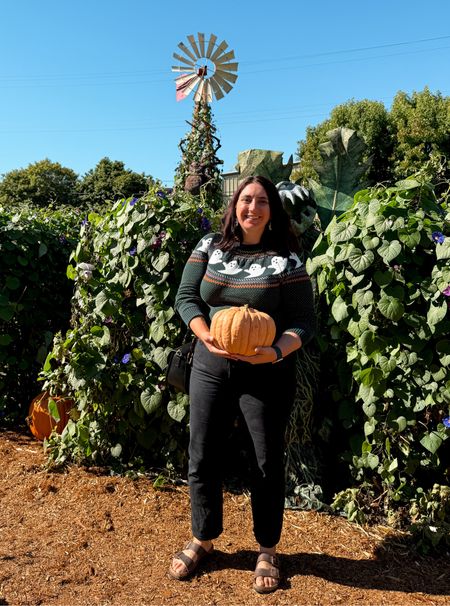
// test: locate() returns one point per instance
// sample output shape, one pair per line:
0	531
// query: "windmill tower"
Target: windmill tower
207	70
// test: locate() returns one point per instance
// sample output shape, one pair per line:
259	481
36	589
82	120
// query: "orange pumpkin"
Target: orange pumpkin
40	420
239	330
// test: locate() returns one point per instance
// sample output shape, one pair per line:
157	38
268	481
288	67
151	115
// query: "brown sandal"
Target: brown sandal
190	564
273	572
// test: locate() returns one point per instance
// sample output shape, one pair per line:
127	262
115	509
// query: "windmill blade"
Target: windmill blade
194	46
201	43
188	52
184	80
208	93
211	44
222	82
181	68
219	50
184	60
227	67
216	89
224	58
226	75
184	84
190	87
199	93
203	92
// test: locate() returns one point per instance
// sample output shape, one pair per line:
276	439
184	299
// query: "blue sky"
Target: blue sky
85	79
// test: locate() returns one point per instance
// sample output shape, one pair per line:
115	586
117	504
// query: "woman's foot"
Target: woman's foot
267	571
185	562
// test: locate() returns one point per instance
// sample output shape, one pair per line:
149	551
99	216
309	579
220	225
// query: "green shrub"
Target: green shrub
384	273
126	267
35	246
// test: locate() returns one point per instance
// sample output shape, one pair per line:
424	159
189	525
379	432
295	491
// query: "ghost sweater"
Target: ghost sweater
214	279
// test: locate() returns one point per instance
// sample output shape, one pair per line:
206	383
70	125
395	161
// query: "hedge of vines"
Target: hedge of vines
126	268
35	245
383	271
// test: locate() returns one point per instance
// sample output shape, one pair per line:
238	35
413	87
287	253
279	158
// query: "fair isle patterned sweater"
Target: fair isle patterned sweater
279	286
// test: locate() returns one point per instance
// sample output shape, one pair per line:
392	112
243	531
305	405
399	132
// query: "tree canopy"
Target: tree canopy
45	182
110	180
398	141
41	183
421	123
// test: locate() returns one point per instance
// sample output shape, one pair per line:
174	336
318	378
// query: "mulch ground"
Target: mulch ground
80	537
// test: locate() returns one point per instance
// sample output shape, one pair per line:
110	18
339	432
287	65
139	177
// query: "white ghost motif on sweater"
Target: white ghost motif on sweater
278	264
231	268
216	257
254	270
204	245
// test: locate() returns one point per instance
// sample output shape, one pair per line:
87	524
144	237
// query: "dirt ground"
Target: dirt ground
82	537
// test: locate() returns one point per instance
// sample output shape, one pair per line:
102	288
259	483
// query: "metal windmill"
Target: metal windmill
206	68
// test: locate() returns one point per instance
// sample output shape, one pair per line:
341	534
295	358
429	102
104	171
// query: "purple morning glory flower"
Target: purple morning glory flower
133	251
85	221
438	237
108	320
200	210
446	421
446	292
62	239
160	193
206	225
126	358
133	201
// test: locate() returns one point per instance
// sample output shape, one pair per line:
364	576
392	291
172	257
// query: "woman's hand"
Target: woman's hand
211	346
200	329
263	355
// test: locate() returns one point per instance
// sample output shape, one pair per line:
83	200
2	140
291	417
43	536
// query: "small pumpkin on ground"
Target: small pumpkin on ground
238	330
40	420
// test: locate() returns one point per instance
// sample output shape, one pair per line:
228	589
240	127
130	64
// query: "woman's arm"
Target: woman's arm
287	344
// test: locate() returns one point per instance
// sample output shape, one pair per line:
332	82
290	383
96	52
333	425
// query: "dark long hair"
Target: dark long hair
279	238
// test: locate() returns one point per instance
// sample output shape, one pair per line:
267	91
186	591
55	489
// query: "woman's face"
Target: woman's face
253	212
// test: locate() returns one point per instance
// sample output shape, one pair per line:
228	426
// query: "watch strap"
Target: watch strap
279	354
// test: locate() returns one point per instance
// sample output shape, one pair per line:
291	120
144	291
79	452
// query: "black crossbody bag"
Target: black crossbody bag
179	365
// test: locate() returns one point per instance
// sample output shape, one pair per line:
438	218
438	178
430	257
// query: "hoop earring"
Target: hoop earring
269	226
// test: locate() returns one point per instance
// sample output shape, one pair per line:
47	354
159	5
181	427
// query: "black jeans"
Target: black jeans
264	393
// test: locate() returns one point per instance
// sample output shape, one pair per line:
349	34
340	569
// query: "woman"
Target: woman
254	261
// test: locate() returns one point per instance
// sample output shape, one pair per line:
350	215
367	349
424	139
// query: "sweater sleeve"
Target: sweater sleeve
188	302
299	314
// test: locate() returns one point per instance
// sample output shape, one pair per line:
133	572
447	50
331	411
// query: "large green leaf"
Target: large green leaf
341	232
177	408
359	260
151	400
389	250
340	172
436	313
431	441
443	250
339	309
391	307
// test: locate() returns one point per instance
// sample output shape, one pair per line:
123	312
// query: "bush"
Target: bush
126	267
34	297
384	273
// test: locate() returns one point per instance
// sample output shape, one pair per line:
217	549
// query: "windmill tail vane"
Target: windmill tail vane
205	67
